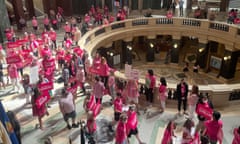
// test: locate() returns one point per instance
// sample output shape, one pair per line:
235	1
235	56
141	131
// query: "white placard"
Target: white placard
128	69
116	59
135	74
34	74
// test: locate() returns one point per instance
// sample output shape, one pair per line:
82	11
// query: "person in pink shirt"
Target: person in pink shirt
192	101
169	133
150	83
121	130
133	94
35	24
91	126
53	37
118	104
46	22
163	93
104	71
93	10
80	76
169	14
13	74
236	136
105	10
213	129
67	28
111	85
187	136
98	90
132	124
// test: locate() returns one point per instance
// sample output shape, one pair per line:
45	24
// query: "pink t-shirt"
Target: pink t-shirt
212	128
132	89
118	105
111	81
104	70
98	89
92	126
236	138
34	23
121	132
46	21
152	81
132	121
162	92
12	71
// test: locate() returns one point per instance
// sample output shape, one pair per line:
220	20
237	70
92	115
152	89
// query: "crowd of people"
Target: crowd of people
233	17
73	64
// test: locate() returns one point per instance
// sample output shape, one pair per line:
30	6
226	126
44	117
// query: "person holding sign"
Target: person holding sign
204	110
213	128
133	94
38	110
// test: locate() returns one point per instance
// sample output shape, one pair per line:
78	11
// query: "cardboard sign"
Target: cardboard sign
128	69
42	99
204	111
13	59
21	42
73	89
34	74
45	87
11	45
135	74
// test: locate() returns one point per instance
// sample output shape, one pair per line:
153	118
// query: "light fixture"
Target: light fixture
227	58
111	54
175	45
201	50
129	47
151	45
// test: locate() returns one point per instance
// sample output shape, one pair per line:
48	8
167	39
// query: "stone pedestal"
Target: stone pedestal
4	20
18	11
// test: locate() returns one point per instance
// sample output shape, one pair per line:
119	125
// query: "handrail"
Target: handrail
203	29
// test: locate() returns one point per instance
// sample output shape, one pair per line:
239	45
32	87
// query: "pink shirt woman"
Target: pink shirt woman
121	130
132	89
12	71
236	134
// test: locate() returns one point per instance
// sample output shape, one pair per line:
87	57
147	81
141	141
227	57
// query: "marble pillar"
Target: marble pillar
30	8
18	11
4	20
224	5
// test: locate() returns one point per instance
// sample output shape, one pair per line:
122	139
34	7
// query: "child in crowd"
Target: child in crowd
169	133
187	136
121	130
132	124
236	136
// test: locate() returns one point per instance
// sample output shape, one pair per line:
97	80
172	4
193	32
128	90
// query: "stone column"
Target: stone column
4	20
67	7
46	6
150	55
202	55
140	5
30	8
174	51
18	10
224	5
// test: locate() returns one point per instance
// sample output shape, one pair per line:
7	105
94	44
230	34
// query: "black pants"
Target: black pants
180	101
104	79
149	94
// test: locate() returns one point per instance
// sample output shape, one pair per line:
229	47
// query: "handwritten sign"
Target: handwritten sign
204	111
42	99
45	87
128	69
135	74
11	45
13	59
